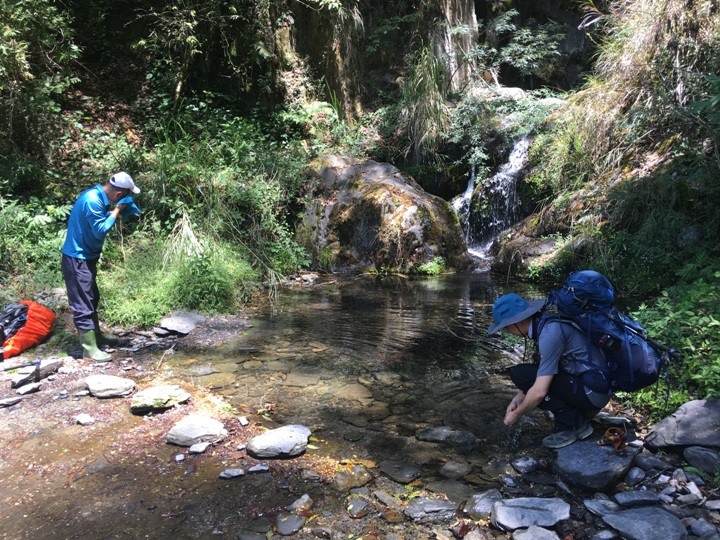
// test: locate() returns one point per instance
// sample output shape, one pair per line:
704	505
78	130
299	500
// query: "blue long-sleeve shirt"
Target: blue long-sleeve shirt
89	222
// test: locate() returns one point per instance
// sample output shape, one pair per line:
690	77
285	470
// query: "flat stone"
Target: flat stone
631	499
454	490
600	505
403	473
455	469
84	419
524	464
427	510
29	388
511	514
231	473
10	401
287	524
447	435
592	466
702	458
357	476
194	429
693	424
109	386
357	506
286	441
646	524
535	533
158	398
181	322
480	505
199	448
29	374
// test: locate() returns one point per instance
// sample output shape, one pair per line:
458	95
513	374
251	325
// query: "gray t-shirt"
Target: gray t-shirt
564	347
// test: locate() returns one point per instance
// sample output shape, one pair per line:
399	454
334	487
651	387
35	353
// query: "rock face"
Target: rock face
367	215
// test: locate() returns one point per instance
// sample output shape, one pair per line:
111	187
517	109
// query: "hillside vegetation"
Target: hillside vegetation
216	108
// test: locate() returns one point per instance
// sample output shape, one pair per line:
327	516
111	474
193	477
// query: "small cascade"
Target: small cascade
461	204
499	203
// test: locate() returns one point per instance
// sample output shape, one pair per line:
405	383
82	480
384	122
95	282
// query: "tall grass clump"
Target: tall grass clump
424	116
152	276
642	139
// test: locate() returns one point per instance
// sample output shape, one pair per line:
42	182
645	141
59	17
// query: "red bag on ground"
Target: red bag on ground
38	326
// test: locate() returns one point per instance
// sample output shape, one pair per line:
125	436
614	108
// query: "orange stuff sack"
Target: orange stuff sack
38	326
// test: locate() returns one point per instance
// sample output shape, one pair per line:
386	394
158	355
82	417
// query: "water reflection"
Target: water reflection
385	355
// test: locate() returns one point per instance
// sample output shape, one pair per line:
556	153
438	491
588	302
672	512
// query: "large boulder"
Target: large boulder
694	424
367	215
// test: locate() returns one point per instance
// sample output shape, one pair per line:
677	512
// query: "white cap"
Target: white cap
123	180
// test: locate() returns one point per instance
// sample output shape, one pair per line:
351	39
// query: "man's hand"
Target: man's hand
511	414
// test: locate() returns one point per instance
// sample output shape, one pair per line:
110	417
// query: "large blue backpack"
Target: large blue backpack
634	361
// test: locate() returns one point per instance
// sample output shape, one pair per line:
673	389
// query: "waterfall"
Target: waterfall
498	204
461	204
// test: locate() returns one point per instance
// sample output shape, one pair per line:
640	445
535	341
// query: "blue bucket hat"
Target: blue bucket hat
512	308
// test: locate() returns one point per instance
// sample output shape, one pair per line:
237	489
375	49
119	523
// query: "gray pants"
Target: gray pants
82	290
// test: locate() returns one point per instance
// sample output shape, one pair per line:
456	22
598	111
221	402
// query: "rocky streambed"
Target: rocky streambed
157	445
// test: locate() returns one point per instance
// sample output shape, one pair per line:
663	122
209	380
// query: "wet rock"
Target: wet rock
693	424
357	506
647	461
288	524
286	441
702	458
9	402
231	473
109	386
600	505
355	391
480	505
427	510
158	398
303	504
525	464
260	467
520	513
646	524
455	470
635	476
403	473
454	490
631	499
604	534
181	322
194	429
498	468
446	435
84	419
592	466
385	498
199	448
702	527
535	533
28	388
357	476
30	374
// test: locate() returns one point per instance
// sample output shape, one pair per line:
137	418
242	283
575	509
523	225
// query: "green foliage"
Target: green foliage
31	235
529	49
150	277
424	116
433	268
36	50
687	318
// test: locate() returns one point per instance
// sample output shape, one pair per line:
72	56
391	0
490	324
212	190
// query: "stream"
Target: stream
363	362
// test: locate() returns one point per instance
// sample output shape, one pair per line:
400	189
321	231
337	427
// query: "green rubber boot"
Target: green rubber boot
103	339
90	348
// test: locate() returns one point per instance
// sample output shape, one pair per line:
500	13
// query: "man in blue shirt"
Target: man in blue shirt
556	382
90	220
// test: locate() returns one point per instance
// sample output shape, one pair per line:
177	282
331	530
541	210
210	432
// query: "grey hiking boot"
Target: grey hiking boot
566	437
